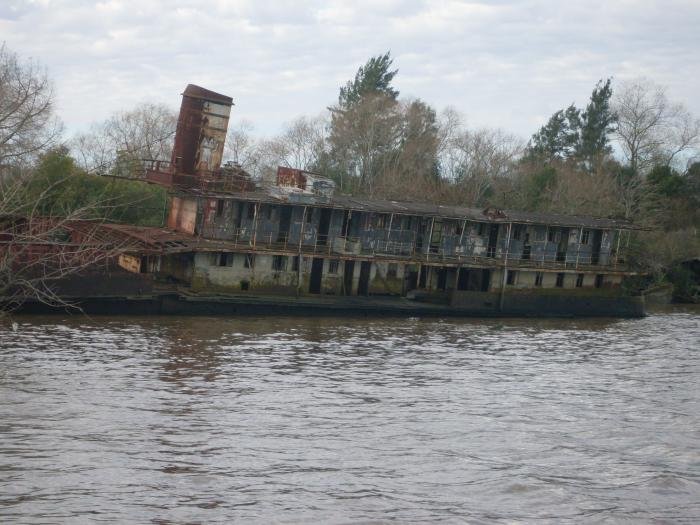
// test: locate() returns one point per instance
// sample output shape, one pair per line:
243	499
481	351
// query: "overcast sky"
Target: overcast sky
502	63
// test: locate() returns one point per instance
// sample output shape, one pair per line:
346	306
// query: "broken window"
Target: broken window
552	235
223	259
585	236
295	263
560	280
511	277
392	269
251	211
219	207
249	260
279	263
539	276
579	280
333	266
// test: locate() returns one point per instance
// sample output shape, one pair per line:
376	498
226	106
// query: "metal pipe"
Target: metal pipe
301	260
505	268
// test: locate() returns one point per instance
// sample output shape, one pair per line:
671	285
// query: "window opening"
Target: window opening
333	266
539	276
279	263
560	280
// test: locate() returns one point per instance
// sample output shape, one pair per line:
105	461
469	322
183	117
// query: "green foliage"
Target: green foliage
371	79
667	182
574	134
538	185
58	187
685	285
597	123
558	138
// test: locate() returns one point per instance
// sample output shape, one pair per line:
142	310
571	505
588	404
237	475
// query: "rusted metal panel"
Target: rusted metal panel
201	131
291	177
183	215
130	263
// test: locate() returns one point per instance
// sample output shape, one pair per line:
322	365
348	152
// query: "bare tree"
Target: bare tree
27	121
146	132
472	160
303	141
37	251
364	139
241	145
650	129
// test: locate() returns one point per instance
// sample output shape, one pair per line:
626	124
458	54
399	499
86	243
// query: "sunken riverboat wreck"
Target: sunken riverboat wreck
292	244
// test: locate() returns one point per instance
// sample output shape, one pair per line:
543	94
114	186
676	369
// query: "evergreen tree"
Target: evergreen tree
374	78
597	123
558	139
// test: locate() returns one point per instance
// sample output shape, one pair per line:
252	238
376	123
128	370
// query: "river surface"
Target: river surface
336	420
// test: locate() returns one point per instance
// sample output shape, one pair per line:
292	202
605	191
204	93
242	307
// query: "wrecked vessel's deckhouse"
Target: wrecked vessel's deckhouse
234	246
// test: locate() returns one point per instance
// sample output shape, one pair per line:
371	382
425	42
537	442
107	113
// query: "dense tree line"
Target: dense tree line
628	152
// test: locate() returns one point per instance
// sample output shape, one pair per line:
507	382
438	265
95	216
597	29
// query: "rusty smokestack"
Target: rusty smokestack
201	131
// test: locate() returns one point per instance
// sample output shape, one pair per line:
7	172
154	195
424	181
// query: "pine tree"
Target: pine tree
597	123
558	139
373	78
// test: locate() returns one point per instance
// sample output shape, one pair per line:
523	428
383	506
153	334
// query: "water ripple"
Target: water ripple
286	420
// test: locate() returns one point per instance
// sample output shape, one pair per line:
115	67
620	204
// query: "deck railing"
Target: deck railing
354	247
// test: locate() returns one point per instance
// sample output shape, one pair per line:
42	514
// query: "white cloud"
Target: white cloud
502	63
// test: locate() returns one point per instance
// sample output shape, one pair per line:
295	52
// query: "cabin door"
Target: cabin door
323	226
436	237
597	242
316	275
347	277
493	239
563	245
285	221
363	285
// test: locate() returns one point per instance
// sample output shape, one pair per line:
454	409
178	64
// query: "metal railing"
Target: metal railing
355	247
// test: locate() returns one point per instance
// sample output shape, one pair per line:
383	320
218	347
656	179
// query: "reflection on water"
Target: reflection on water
180	420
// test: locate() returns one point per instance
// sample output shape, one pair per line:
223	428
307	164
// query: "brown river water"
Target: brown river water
170	420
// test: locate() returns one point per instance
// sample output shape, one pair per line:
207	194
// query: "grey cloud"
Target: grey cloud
504	63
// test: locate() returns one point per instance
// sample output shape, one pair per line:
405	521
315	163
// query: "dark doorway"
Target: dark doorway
597	241
323	226
436	237
417	226
316	275
441	278
485	280
563	245
493	239
346	223
474	280
285	222
347	277
363	285
411	280
353	229
463	279
422	281
527	248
